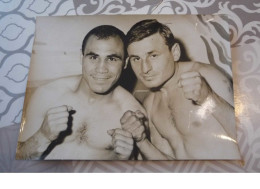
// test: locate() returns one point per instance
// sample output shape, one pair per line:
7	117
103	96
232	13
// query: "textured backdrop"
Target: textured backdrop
17	24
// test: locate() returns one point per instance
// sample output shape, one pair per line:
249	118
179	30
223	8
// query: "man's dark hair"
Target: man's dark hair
146	28
104	32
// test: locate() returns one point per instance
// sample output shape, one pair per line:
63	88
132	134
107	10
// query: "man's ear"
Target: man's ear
176	52
126	62
81	57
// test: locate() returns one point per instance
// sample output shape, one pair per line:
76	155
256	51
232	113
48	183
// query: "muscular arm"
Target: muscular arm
223	112
42	124
148	150
31	142
220	98
212	92
33	147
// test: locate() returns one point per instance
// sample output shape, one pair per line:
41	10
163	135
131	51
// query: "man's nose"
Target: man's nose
101	66
146	66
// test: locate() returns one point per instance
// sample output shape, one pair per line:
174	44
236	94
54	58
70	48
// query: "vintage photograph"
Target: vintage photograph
130	87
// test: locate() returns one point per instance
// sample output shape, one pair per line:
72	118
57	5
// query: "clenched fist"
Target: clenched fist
194	87
55	121
122	142
134	122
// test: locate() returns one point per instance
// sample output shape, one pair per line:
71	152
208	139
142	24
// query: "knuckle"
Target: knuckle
117	149
117	131
134	118
121	120
129	134
53	130
118	143
50	116
127	113
139	122
116	137
142	129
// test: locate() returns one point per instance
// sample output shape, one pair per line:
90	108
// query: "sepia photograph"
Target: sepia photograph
130	87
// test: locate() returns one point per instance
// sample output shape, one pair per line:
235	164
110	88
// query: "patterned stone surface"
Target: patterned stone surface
17	22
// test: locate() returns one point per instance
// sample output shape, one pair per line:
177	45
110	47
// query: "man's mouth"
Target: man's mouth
100	78
148	77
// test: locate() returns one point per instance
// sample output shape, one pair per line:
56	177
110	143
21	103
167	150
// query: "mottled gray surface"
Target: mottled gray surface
17	22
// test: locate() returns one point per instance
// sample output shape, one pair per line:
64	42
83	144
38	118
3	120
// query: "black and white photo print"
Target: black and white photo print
125	87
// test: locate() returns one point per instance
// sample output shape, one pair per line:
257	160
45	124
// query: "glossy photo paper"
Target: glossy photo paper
143	87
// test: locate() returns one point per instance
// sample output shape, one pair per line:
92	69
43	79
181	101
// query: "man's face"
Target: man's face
151	60
102	63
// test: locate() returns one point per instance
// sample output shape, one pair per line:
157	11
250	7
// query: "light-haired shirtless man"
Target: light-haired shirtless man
79	117
190	107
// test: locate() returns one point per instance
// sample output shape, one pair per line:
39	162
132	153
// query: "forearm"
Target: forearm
224	114
150	152
33	147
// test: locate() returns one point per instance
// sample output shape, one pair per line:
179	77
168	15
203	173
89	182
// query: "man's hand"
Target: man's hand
194	87
55	121
134	122
122	142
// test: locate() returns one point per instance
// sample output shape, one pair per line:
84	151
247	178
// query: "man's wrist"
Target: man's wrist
42	141
141	142
204	99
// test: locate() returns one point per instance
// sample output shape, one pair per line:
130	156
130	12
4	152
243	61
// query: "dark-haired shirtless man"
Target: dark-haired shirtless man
79	117
190	107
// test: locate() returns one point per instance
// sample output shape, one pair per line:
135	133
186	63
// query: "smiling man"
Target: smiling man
190	107
79	117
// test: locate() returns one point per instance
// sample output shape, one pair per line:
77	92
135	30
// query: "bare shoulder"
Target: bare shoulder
190	66
41	100
126	100
63	84
58	87
213	74
202	68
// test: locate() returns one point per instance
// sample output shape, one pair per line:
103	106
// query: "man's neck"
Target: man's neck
173	81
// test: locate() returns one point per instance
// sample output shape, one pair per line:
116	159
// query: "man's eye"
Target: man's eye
113	59
154	55
135	59
93	57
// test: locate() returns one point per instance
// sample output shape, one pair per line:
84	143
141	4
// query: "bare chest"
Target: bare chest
90	127
177	112
90	123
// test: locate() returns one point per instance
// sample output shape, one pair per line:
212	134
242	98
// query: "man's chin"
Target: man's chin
102	90
153	85
150	84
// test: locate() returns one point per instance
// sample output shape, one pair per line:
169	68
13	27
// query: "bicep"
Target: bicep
218	82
